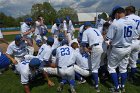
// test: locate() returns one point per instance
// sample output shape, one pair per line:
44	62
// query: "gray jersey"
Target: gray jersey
121	32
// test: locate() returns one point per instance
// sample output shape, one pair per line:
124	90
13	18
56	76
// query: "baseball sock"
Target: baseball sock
115	79
123	79
72	82
95	78
133	71
64	81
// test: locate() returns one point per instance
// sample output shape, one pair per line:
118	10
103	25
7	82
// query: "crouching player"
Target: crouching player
29	70
66	60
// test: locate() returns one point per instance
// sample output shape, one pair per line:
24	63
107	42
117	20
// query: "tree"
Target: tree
45	10
63	12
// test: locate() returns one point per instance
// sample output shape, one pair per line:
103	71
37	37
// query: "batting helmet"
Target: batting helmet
50	40
35	63
4	61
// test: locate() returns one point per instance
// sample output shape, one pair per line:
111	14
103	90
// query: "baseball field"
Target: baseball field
10	82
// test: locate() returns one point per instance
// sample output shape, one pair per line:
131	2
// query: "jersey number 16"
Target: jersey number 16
127	31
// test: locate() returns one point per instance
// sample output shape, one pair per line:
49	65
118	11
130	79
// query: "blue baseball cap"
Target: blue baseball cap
18	38
28	19
114	11
87	24
61	35
64	42
35	63
50	40
67	18
57	21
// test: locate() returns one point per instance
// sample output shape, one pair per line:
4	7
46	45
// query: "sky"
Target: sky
18	8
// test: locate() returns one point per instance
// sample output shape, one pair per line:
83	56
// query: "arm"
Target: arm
4	41
28	32
26	88
12	59
50	83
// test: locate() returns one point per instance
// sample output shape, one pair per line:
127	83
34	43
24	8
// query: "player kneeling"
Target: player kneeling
66	60
29	71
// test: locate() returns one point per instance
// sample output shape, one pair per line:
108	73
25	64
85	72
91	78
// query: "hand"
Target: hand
14	62
50	83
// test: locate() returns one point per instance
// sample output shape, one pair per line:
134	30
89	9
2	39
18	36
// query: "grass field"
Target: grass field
10	83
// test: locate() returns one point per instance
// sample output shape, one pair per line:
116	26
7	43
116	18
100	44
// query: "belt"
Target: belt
96	44
121	46
67	66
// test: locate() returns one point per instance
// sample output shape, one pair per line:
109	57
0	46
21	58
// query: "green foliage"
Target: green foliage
63	12
45	10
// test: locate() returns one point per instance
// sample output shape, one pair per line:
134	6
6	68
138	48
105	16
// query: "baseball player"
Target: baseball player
120	35
29	70
18	49
56	28
68	28
40	30
130	12
45	51
99	23
82	63
94	38
27	32
65	61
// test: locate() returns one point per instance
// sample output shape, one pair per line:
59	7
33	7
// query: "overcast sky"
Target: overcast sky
22	7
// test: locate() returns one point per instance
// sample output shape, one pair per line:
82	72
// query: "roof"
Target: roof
82	17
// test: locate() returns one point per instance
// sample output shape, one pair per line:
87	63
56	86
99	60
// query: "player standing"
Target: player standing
130	12
94	38
120	35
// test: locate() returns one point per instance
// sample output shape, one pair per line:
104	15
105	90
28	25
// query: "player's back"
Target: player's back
65	56
44	49
122	32
94	36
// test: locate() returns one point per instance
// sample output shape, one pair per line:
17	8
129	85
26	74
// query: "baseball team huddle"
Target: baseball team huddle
111	48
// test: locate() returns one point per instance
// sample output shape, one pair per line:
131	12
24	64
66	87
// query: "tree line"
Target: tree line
40	9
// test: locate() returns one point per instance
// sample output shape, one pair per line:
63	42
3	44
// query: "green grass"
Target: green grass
10	83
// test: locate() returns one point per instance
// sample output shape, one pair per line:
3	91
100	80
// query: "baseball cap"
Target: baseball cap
28	19
18	38
114	11
50	40
35	63
61	35
64	42
87	24
67	18
58	21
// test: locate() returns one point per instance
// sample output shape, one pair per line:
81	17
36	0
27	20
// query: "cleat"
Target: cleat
82	81
60	88
97	89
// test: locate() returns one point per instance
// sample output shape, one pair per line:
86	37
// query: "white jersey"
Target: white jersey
44	52
92	36
56	30
25	28
65	56
1	35
99	24
137	20
39	28
82	60
121	32
23	69
68	27
17	51
56	43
